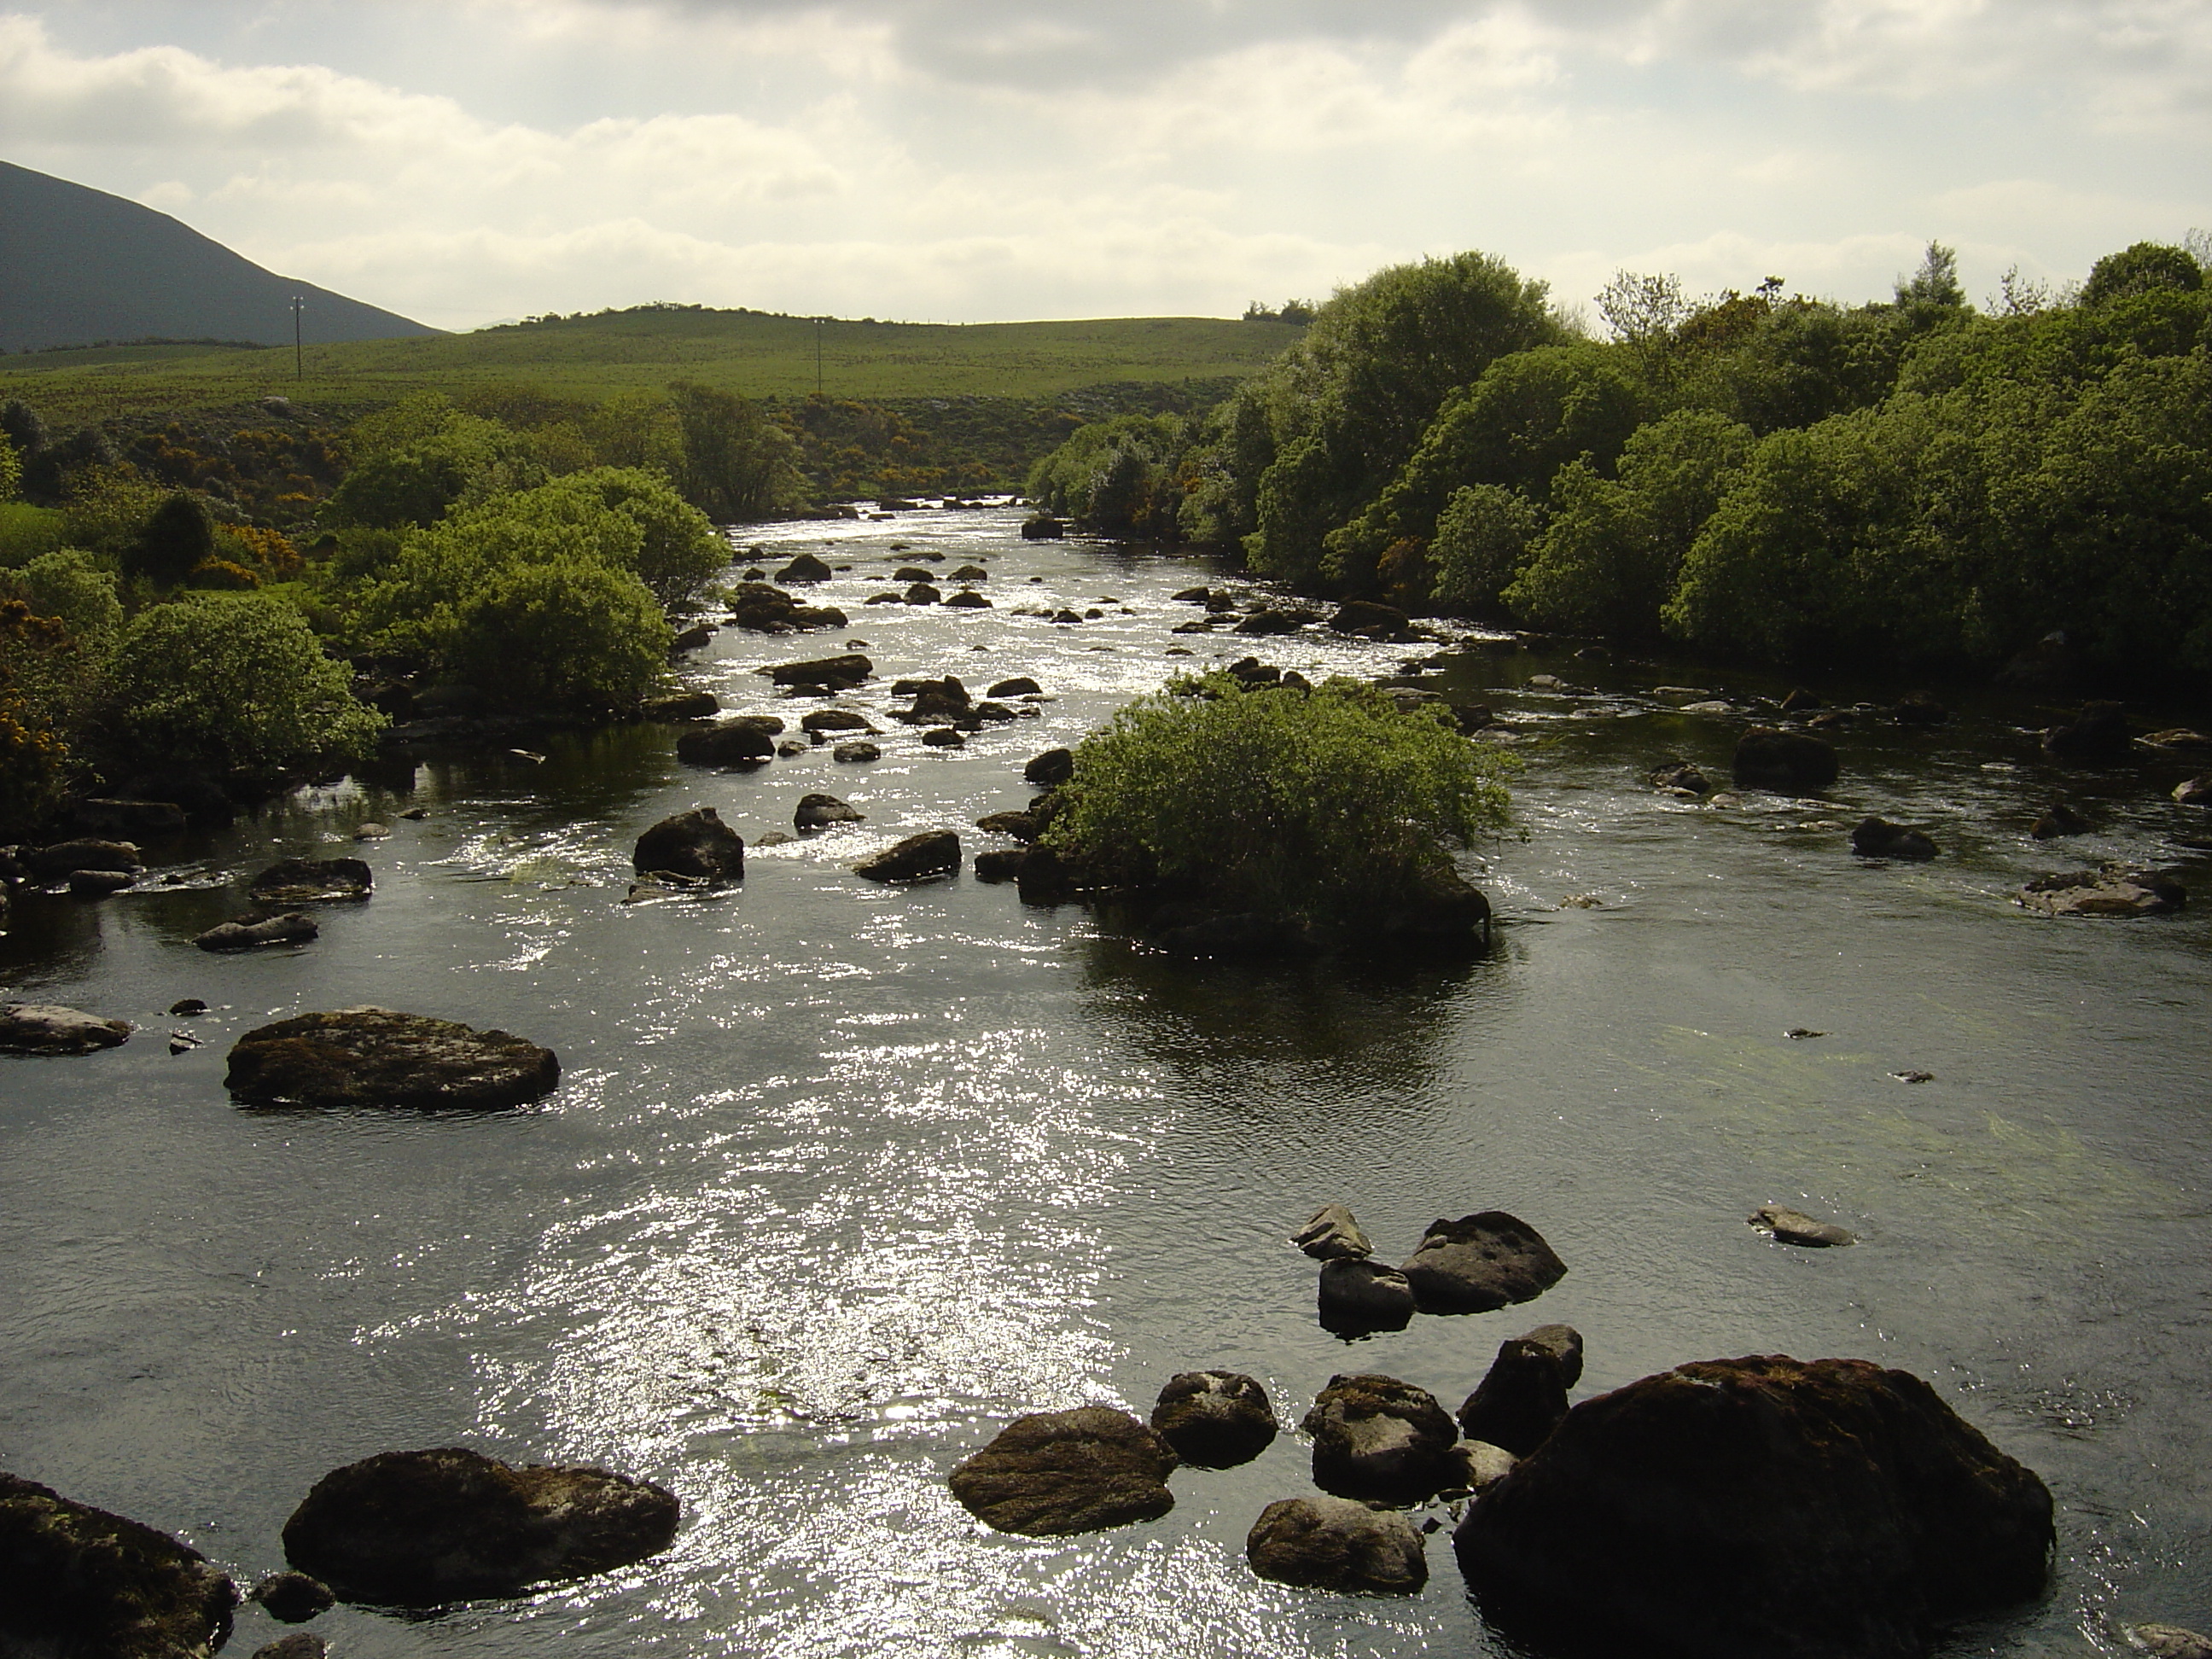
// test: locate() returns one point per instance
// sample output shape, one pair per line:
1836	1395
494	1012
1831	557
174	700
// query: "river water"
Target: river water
840	1178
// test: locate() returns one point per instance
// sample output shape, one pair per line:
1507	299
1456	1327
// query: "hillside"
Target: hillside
756	353
79	267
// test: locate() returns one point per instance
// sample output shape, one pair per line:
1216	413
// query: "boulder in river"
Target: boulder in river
933	852
1215	1419
696	844
1375	1437
1000	864
969	599
1365	616
1359	1295
1021	826
1825	1510
2115	890
76	1582
836	720
841	672
1332	1232
2059	819
818	812
1021	686
1878	838
45	1027
2195	792
1681	776
1042	527
1919	709
1566	1343
1052	1474
416	1528
679	705
1788	1226
294	881
1335	1544
1791	762
300	1644
1520	1401
377	1057
64	857
1477	1466
98	884
1480	1262
1050	769
806	568
857	751
2179	738
292	1598
250	933
2099	732
2167	1641
732	743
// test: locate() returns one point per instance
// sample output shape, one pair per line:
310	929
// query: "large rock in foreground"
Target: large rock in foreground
695	844
1055	1472
45	1027
74	1580
1480	1262
1334	1544
1377	1437
1824	1510
375	1057
416	1528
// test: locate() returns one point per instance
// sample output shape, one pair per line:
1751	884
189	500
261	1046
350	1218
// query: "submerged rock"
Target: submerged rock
1878	838
78	1583
1332	1232
46	1028
376	1057
1335	1544
292	881
1055	1472
1788	1226
1359	1295
696	844
416	1528
1375	1437
248	933
1790	761
2059	819
732	743
933	852
1215	1419
54	862
1481	1263
1521	1399
1825	1510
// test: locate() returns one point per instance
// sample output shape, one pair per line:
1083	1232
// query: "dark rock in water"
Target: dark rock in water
1443	916
2114	890
944	738
1521	1399
1215	1419
969	573
818	812
1268	622
1331	1234
804	569
1680	775
2059	819
291	881
910	574
1919	709
2168	1642
370	830
1050	769
969	599
376	1057
1375	1437
1825	1510
1789	761
937	700
857	751
188	1005
1878	838
45	1027
1481	1263
64	857
1334	1544
78	1583
1000	864
292	1598
835	719
933	852
1235	936
2196	792
1789	1226
1366	616
1192	596
2099	732
733	743
1021	826
246	933
416	1528
755	605
921	594
1057	1472
98	884
1359	1295
1042	527
696	843
692	638
681	705
300	1644
101	816
1047	878
790	746
2176	738
1799	702
849	669
1020	686
1566	1343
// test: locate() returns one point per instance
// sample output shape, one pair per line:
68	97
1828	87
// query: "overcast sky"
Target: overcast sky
475	159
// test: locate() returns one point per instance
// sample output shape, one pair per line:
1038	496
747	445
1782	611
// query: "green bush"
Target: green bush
1482	541
572	635
679	551
1117	477
231	680
71	586
1323	804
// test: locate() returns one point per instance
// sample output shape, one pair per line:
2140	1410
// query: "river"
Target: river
839	1177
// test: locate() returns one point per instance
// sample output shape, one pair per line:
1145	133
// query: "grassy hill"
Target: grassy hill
756	352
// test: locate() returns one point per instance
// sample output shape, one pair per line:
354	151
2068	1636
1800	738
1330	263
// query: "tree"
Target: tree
1937	281
1117	477
738	464
573	636
2145	267
175	540
1481	542
679	551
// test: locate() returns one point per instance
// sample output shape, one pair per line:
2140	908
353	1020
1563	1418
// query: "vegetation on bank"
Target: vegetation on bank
1914	483
1329	804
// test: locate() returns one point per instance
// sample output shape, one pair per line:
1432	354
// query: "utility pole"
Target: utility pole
818	321
298	352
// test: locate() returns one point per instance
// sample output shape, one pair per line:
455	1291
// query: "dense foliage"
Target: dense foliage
1322	803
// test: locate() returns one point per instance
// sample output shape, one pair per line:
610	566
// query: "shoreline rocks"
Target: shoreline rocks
376	1057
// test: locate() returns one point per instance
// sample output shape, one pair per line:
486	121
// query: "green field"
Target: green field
750	352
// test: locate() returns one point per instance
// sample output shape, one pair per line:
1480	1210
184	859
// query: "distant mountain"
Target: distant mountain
78	265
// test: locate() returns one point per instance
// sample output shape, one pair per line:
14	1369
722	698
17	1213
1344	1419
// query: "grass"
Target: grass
754	353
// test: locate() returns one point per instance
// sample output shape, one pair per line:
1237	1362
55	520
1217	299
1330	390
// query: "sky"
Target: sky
472	160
